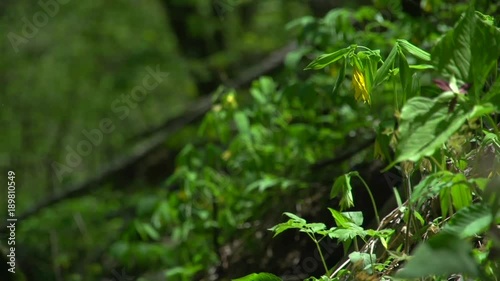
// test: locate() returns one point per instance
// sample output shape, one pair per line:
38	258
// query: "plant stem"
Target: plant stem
407	184
495	128
441	168
322	258
372	199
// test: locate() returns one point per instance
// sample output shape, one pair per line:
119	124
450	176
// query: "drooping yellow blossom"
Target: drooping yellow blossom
359	85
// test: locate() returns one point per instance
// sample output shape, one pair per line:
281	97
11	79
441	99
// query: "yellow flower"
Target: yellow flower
359	85
230	101
226	155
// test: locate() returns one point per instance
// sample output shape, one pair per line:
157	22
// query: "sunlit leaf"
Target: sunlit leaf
327	59
414	50
259	277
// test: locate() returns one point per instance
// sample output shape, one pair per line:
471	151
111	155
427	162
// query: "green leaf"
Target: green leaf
346	234
415	85
295	222
340	219
366	260
300	22
259	277
469	221
383	71
404	73
461	194
442	255
263	184
151	231
267	85
369	60
355	217
421	66
327	59
426	125
340	78
314	228
452	54
342	187
454	187
242	122
481	110
461	52
414	50
295	217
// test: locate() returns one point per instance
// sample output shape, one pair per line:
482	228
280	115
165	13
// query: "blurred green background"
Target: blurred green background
67	66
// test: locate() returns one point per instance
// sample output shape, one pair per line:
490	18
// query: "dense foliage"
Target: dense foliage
446	133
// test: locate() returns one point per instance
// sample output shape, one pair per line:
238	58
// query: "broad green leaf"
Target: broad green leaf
452	54
461	52
340	78
414	50
259	277
426	125
326	59
461	194
454	189
469	221
383	71
442	255
355	217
